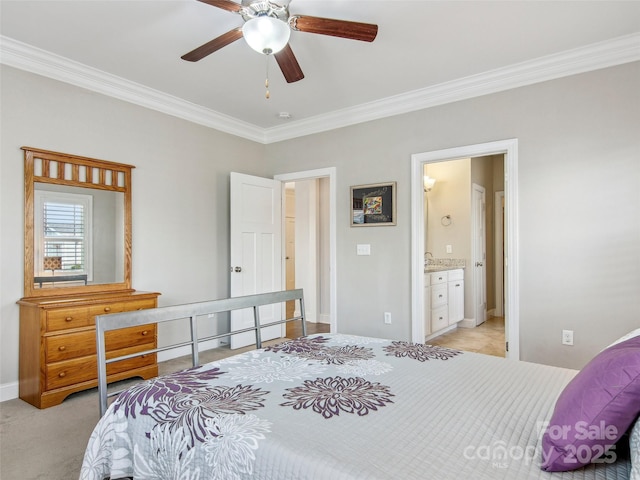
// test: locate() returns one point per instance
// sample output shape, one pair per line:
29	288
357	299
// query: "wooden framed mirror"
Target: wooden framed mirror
77	224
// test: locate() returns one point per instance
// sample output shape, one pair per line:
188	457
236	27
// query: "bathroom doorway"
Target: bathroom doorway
459	219
502	289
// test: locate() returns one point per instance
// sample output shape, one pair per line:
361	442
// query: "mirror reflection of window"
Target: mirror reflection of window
63	229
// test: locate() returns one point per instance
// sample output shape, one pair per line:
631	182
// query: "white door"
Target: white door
479	253
256	251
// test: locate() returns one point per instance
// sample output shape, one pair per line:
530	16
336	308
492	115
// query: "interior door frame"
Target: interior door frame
508	148
330	174
499	251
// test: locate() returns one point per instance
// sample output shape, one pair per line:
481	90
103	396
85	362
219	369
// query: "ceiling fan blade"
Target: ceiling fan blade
337	28
289	65
214	45
224	4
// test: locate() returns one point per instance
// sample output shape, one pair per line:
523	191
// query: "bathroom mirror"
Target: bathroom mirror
77	230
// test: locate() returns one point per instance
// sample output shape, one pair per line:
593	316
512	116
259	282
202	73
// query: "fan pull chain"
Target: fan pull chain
266	81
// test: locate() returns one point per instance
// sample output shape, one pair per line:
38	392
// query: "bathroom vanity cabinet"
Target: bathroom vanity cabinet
443	299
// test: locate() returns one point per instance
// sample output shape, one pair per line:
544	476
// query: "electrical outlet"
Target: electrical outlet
567	337
387	318
449	248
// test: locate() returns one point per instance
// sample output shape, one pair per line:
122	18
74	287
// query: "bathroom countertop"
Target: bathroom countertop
437	268
442	264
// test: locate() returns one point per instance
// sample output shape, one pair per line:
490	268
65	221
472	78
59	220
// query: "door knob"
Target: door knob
238	269
479	264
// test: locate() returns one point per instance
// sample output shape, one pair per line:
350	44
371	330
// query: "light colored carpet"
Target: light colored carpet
49	444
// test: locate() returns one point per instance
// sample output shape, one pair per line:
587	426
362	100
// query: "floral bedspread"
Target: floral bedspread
338	407
294	410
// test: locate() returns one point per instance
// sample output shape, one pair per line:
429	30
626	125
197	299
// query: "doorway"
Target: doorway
309	259
508	148
290	244
459	211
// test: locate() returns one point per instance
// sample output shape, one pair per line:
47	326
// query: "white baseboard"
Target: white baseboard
321	318
467	323
9	391
441	332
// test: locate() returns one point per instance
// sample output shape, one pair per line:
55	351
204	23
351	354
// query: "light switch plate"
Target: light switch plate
363	249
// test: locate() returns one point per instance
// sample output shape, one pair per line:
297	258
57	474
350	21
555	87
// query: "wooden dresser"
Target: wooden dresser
58	344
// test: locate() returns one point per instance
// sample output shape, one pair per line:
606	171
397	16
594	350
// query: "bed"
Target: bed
343	407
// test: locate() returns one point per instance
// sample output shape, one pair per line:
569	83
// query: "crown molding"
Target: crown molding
596	56
35	60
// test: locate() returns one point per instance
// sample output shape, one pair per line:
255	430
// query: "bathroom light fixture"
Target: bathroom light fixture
266	34
428	183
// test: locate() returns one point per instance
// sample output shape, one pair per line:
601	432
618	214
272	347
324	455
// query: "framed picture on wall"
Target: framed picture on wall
373	205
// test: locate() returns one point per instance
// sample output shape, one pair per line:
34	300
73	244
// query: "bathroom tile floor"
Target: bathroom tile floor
487	338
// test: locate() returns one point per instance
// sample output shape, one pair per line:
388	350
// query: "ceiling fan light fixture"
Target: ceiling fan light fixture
265	34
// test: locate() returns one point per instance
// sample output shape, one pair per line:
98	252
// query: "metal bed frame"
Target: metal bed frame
116	321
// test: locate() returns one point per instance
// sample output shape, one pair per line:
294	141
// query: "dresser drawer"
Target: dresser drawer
439	295
439	318
67	318
129	337
117	307
70	372
439	277
70	345
80	344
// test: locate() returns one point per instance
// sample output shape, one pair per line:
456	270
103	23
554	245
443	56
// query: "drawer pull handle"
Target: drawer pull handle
62	348
62	374
107	309
145	332
68	319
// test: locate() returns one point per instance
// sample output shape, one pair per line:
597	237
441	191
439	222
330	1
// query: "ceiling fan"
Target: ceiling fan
267	27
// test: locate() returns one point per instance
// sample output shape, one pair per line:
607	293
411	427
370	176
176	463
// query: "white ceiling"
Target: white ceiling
132	49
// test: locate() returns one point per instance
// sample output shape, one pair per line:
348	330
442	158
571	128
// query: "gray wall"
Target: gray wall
180	190
578	181
579	212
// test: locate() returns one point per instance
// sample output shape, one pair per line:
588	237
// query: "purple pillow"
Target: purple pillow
594	410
